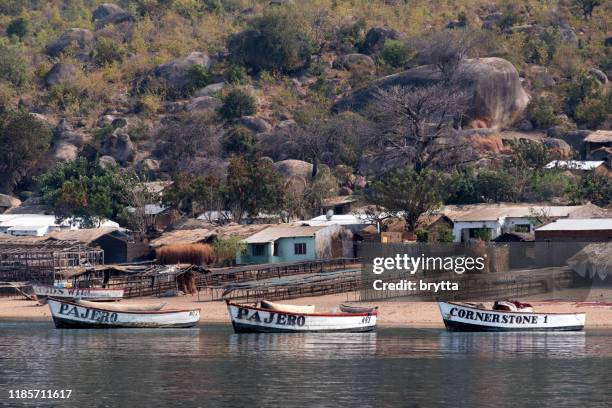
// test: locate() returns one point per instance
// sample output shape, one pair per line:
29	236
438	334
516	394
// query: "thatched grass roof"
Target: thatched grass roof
593	260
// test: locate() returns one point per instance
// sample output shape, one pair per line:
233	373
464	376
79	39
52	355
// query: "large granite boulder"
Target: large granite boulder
558	148
109	14
203	104
176	75
7	201
355	62
290	169
65	151
119	146
497	97
374	41
79	40
255	124
60	73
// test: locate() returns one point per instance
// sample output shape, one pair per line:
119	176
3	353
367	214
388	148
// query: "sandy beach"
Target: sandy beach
391	313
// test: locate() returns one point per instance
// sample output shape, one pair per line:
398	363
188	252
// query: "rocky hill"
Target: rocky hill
172	87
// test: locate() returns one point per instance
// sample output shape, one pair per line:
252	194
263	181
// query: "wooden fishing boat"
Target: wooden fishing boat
468	317
68	314
250	318
43	292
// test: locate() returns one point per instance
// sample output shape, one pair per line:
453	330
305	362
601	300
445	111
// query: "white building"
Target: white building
39	225
353	222
492	220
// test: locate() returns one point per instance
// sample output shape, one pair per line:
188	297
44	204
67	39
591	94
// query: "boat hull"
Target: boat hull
71	315
43	292
248	319
458	317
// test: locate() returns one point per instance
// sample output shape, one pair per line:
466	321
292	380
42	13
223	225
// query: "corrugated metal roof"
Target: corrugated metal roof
273	233
587	224
575	164
494	212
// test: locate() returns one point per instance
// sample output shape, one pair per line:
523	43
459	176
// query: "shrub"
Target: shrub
237	103
66	97
17	27
594	112
108	51
583	86
541	113
422	235
239	140
13	67
226	249
445	234
196	254
199	77
275	41
236	74
396	53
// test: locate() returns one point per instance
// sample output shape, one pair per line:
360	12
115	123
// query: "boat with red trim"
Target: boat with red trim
88	315
251	318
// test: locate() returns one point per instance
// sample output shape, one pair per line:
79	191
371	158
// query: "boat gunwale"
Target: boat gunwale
509	311
167	311
375	313
54	287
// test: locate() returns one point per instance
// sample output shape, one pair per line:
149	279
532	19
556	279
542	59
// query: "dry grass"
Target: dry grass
196	254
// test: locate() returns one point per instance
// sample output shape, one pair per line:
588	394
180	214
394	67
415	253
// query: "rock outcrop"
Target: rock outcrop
374	41
109	14
79	40
176	74
497	97
119	146
60	73
355	62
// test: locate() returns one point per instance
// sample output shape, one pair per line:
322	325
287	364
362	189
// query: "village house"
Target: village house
38	225
353	222
577	230
598	146
340	204
489	221
297	243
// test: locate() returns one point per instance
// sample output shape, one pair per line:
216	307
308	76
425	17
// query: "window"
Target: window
299	249
522	228
275	248
259	249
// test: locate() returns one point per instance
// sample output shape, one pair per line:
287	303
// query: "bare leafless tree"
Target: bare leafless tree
447	48
419	124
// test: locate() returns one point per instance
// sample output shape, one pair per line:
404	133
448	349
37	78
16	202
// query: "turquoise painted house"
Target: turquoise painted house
294	244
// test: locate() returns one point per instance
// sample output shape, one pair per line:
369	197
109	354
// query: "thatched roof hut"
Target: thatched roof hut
593	260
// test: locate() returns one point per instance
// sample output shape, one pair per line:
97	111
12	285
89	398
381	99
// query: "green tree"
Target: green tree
274	41
396	53
238	140
238	102
226	249
593	187
495	186
541	113
17	27
194	194
23	141
253	186
13	66
588	6
407	193
87	191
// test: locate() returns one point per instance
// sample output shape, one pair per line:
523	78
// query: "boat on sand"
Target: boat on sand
506	316
43	292
72	314
248	318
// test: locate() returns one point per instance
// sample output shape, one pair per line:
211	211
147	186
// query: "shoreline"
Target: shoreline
392	313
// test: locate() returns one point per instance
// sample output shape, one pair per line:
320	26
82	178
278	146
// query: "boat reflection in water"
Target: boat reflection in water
548	344
305	345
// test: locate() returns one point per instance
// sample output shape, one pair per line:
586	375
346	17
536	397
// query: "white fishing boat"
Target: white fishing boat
250	318
470	317
43	292
69	314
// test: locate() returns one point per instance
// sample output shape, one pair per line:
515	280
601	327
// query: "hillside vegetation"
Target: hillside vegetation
234	99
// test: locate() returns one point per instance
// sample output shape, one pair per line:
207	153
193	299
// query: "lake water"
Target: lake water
211	366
